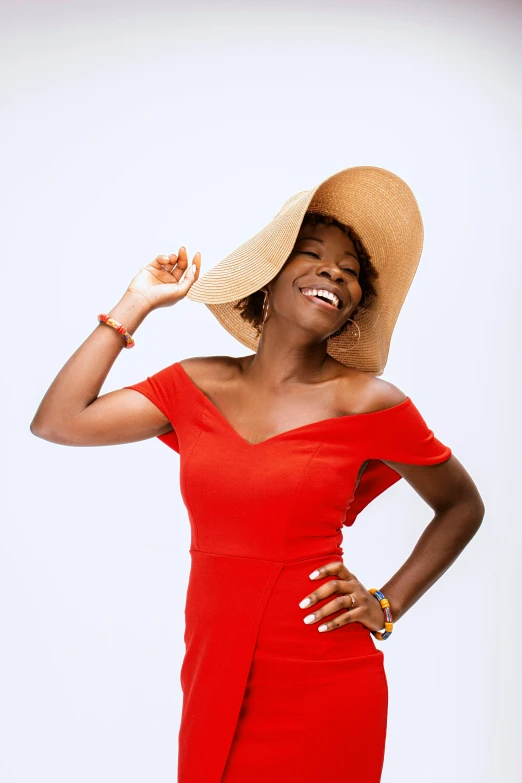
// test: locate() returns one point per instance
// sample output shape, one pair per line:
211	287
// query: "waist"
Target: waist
335	553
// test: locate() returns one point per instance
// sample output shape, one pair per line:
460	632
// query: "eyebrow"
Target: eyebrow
346	252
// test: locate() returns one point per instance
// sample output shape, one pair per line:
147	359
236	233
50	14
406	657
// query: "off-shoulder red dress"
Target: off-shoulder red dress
255	678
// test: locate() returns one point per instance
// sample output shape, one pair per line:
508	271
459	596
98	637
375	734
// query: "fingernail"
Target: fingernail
304	603
309	619
193	269
322	628
314	574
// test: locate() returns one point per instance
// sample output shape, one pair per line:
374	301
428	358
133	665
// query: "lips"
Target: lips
322	296
320	302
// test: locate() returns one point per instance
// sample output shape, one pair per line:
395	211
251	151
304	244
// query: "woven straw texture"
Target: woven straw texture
383	211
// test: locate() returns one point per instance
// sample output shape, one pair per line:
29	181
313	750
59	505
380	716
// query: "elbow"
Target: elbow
61	435
467	514
477	508
35	428
470	504
474	511
43	431
480	510
39	430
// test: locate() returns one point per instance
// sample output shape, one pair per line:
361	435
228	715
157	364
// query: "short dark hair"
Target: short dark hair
251	306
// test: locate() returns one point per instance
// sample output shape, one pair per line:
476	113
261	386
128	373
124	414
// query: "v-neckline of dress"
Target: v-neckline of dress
286	433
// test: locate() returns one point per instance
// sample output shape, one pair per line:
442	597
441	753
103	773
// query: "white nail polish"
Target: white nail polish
323	628
314	574
309	619
304	603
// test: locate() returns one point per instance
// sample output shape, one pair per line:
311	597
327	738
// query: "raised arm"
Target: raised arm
72	412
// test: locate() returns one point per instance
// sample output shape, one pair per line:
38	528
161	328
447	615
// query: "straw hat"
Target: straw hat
382	210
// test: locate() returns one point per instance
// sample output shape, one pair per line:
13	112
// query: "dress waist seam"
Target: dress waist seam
333	553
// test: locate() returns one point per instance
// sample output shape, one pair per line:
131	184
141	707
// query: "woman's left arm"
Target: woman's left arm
459	510
450	491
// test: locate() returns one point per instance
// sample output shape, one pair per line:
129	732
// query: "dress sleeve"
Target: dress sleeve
399	434
163	390
402	435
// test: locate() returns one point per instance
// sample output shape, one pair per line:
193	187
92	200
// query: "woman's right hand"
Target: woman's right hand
161	287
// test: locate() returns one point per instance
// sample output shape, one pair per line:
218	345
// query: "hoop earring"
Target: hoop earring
342	348
265	306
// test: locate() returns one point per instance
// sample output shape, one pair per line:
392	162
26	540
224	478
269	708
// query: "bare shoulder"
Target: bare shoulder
373	394
206	370
383	394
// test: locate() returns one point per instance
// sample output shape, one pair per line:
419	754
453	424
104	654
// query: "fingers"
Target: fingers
344	588
180	263
172	267
328	588
182	260
196	262
164	260
352	616
335	567
191	275
340	602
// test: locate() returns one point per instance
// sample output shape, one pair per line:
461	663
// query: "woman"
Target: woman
278	450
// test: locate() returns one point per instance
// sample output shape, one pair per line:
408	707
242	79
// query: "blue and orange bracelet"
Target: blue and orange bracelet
388	621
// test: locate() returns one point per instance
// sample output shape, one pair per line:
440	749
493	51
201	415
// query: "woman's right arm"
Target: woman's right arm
71	412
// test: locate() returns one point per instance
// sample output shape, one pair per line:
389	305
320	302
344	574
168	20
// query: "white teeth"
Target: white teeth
328	294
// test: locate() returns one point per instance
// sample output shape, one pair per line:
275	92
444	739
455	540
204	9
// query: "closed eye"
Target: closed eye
310	253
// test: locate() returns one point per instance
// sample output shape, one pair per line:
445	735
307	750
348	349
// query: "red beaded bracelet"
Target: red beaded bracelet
129	340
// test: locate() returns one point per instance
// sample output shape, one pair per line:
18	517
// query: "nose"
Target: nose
331	270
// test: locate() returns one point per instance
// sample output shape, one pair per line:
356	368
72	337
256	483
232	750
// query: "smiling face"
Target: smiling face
323	258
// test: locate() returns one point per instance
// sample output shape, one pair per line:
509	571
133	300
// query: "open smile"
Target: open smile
324	303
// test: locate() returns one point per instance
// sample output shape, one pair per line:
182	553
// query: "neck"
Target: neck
287	355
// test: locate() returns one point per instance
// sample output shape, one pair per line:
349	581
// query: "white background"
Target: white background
132	128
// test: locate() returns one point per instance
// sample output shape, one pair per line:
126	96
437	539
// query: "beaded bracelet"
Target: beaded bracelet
388	622
129	340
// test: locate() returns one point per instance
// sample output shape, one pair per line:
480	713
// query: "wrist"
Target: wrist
387	614
136	305
395	606
130	311
137	302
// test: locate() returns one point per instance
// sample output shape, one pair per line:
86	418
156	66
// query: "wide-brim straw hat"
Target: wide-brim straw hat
384	213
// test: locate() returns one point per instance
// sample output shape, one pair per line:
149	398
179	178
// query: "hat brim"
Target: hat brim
382	210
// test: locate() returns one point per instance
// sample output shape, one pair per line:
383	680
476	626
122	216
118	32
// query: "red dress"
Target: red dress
260	687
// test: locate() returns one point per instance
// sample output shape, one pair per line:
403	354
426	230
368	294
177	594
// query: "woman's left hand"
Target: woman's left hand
366	609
